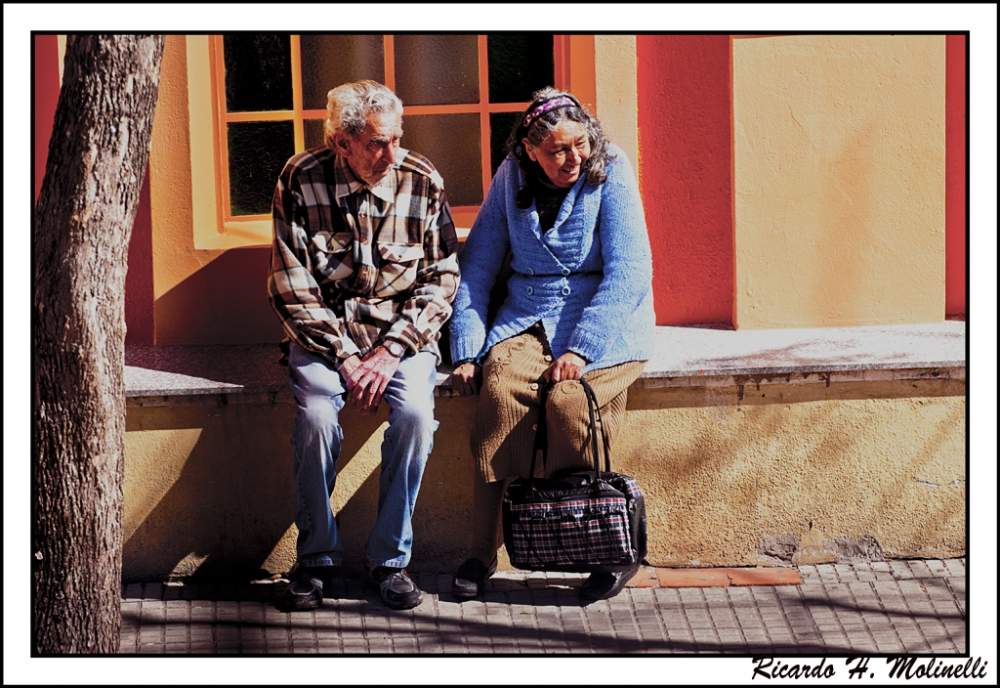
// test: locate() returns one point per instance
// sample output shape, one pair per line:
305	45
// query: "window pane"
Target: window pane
451	143
258	72
501	124
331	60
313	133
519	65
437	70
257	153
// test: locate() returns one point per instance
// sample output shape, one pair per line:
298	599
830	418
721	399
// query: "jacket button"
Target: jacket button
533	386
530	291
566	291
565	271
548	359
535	427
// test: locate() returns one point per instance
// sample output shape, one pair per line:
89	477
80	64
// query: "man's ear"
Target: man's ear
340	141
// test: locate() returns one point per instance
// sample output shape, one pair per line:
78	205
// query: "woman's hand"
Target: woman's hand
465	379
569	366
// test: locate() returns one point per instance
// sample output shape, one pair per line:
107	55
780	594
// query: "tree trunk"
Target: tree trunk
83	220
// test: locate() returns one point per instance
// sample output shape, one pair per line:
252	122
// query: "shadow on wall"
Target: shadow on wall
233	500
225	302
222	508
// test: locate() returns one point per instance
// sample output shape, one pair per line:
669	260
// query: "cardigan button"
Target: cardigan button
565	271
530	291
533	386
548	359
566	291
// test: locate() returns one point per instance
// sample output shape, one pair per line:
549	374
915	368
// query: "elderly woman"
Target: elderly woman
565	205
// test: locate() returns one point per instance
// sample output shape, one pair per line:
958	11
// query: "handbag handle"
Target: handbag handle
596	421
541	436
594	408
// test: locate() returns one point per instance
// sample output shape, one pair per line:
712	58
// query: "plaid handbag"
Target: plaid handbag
579	521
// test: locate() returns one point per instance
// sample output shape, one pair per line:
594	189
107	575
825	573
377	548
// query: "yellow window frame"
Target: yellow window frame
215	227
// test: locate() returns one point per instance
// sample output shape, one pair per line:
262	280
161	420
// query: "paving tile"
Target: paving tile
885	607
692	578
776	575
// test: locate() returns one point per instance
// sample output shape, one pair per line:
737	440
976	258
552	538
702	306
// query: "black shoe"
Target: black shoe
604	586
305	589
471	579
395	587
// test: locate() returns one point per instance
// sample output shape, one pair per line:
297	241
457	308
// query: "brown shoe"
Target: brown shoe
471	578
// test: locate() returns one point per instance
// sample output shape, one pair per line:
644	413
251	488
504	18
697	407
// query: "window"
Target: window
461	96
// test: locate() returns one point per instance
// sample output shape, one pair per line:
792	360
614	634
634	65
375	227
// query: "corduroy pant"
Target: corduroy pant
503	432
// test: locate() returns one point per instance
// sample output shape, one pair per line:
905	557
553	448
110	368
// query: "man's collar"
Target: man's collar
348	183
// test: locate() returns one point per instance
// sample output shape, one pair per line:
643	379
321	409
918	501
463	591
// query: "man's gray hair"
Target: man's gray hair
349	106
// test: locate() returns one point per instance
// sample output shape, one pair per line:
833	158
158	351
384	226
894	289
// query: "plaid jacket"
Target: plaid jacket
352	265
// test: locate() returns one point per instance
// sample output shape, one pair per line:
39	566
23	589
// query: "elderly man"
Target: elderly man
363	273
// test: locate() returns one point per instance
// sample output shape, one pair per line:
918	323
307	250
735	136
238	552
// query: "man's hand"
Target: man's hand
367	378
465	379
569	366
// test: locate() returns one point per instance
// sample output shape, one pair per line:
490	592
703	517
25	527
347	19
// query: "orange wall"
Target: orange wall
201	296
684	156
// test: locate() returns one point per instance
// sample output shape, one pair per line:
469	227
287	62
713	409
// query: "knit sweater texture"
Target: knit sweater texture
588	280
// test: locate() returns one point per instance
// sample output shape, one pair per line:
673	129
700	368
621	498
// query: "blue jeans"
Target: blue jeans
319	397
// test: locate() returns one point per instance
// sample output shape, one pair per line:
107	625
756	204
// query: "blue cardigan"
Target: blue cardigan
588	279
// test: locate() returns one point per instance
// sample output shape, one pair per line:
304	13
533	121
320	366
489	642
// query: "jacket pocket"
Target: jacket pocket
398	268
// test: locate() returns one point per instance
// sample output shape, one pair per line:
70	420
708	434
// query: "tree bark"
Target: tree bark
83	221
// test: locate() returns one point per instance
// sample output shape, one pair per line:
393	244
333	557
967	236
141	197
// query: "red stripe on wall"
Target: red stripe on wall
139	278
685	103
46	96
954	176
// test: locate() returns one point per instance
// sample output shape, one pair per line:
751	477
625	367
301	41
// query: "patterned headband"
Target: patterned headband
548	106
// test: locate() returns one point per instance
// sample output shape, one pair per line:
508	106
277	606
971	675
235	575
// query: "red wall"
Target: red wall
955	181
46	85
139	279
685	135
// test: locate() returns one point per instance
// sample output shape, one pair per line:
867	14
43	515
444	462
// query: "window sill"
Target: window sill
252	233
255	234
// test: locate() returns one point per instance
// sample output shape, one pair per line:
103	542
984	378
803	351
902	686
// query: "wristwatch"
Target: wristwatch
394	347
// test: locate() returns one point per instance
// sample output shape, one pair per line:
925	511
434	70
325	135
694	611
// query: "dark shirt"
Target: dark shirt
548	200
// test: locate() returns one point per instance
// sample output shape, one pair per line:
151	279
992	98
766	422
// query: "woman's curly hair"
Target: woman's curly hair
539	128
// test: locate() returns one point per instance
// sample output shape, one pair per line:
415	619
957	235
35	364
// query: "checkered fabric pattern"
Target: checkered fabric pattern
588	531
352	264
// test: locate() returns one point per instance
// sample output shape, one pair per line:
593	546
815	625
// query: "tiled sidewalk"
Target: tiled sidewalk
885	607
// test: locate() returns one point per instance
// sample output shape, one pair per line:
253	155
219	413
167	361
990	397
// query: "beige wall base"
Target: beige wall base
733	476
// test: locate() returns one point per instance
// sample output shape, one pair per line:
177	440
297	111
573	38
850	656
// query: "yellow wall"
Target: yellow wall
208	488
839	180
617	108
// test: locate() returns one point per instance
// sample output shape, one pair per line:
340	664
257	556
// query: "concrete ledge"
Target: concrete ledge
685	356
